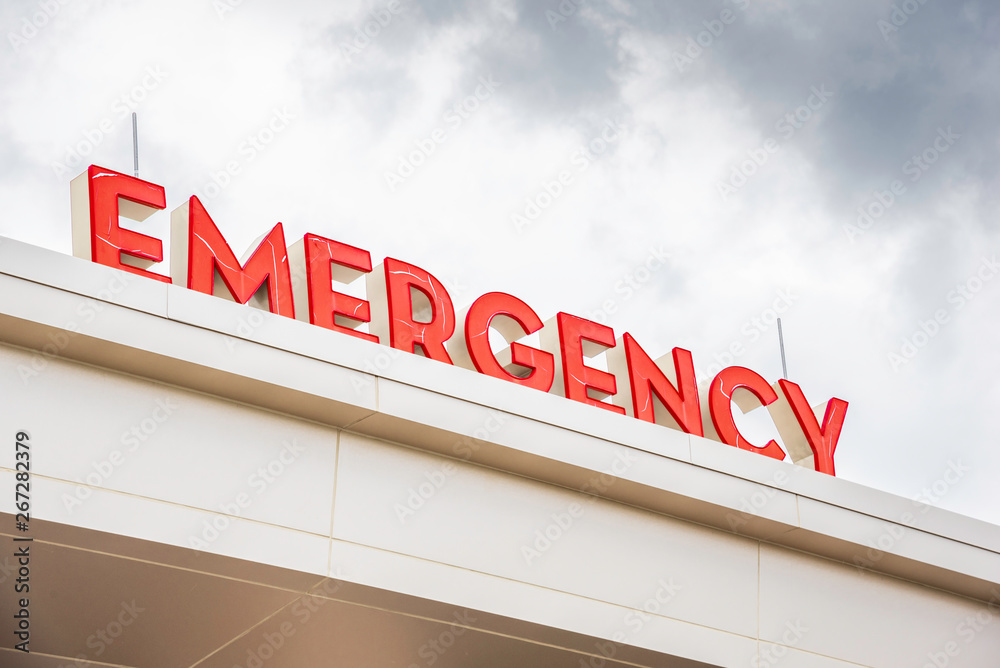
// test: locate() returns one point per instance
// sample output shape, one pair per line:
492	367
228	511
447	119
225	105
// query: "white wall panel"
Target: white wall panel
867	618
174	524
109	430
492	522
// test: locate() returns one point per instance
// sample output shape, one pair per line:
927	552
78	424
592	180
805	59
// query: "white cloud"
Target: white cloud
655	185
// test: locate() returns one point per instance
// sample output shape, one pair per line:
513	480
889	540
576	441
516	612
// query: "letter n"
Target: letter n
649	386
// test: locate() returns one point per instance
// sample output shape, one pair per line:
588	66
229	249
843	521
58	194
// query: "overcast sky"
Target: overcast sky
731	147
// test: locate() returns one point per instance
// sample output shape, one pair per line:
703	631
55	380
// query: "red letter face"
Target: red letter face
579	337
822	440
317	262
425	336
649	386
720	400
99	196
199	250
513	319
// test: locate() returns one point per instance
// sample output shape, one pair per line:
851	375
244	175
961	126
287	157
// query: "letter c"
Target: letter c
720	397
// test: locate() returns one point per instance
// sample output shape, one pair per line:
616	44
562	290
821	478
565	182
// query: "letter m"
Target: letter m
199	252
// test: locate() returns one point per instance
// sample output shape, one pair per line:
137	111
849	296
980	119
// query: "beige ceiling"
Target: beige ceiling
182	608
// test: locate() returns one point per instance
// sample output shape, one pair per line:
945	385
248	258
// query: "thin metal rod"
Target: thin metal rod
135	145
781	343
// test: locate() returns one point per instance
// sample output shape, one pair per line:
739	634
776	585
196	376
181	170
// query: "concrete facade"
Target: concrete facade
247	490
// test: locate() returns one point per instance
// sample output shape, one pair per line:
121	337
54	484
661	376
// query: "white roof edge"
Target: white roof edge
59	278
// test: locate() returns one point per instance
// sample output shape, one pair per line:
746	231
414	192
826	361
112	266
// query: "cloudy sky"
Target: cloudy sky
676	169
